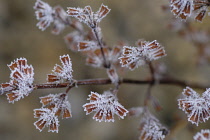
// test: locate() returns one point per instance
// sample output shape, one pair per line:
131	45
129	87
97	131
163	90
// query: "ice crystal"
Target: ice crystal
196	107
134	57
203	135
151	129
62	73
21	80
105	106
87	16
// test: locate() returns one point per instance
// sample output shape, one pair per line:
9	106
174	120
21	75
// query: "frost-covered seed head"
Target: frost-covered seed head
62	73
105	106
203	135
21	80
44	13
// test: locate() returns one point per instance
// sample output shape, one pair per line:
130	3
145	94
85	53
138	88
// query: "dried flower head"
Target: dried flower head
72	40
44	13
195	106
22	77
88	17
186	8
182	8
62	73
203	135
95	57
58	101
47	15
151	129
47	118
60	20
134	57
105	106
53	106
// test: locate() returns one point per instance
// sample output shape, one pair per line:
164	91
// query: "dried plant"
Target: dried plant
113	59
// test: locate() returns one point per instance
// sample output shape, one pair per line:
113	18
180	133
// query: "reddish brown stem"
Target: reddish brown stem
148	94
100	43
166	81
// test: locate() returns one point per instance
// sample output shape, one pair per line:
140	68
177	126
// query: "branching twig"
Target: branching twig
165	81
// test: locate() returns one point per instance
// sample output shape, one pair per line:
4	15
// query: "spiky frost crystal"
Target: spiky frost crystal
196	107
21	80
87	16
203	135
133	57
151	129
105	106
62	73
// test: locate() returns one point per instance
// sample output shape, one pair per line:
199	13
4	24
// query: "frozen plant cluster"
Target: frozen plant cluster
115	60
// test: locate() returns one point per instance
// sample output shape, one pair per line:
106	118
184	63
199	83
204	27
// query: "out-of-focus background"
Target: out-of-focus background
128	20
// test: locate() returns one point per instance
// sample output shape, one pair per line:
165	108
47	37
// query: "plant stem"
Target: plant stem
100	43
165	81
148	94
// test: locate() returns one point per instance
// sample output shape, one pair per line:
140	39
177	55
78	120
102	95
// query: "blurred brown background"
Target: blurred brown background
128	20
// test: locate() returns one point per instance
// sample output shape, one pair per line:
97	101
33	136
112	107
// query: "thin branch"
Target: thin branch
100	43
165	81
149	89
